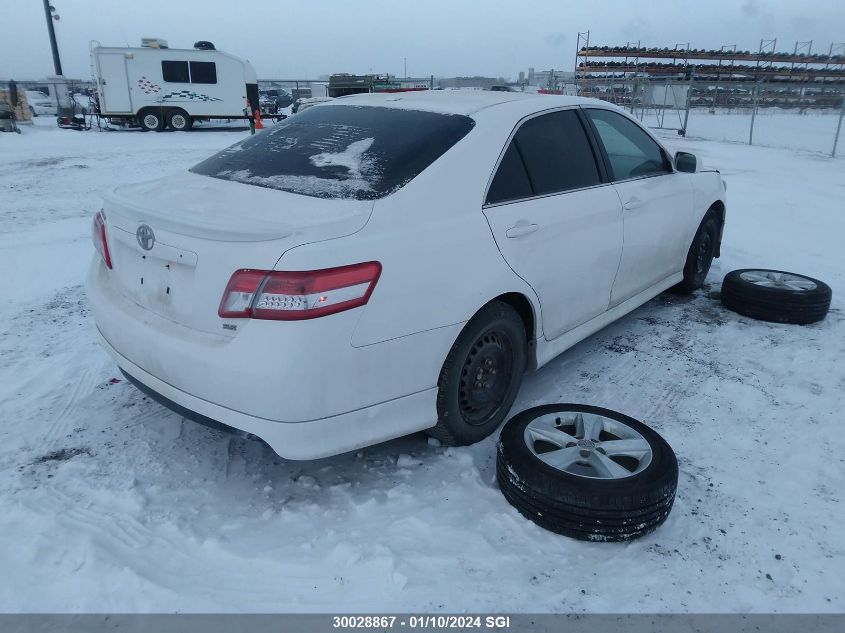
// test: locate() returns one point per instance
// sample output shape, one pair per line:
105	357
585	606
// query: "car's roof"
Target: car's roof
466	102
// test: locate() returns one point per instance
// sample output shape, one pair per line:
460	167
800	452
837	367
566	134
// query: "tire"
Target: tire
776	295
151	120
179	121
700	255
580	501
33	112
493	349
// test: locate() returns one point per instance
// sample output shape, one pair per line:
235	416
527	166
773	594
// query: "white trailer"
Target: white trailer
159	86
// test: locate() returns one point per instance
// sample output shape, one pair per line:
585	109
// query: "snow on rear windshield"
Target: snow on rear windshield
331	151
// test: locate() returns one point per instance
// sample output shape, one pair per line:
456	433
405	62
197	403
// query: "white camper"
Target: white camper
159	86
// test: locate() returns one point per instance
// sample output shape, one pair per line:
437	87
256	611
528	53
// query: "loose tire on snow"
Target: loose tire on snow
776	295
586	472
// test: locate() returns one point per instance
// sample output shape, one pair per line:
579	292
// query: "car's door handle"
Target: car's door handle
521	228
633	203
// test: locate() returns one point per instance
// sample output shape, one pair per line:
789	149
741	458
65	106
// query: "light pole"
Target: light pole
50	14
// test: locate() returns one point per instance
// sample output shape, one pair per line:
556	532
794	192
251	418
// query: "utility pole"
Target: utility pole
405	59
50	14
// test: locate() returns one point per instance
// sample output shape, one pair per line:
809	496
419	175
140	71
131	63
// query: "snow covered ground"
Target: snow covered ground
108	502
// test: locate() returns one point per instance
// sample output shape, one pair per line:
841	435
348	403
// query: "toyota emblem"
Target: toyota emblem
146	237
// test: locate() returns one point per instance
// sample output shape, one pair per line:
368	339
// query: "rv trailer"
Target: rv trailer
160	87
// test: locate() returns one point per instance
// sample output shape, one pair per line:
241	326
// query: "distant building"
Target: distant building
343	84
549	79
484	83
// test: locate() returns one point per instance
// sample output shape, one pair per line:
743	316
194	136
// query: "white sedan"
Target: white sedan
384	264
40	103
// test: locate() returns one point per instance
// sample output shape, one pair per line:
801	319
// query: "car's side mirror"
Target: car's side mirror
686	162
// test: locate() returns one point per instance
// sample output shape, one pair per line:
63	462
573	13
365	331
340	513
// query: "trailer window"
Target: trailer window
333	151
175	72
203	73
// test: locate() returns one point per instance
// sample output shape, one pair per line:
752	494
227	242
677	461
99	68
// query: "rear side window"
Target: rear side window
332	151
556	153
632	153
548	154
175	72
203	73
511	180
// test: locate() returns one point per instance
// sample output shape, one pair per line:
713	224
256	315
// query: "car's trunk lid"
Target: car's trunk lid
198	230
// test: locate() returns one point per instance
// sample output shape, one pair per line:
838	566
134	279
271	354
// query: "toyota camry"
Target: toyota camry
384	264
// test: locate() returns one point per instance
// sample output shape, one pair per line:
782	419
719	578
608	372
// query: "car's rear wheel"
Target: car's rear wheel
481	376
700	254
151	120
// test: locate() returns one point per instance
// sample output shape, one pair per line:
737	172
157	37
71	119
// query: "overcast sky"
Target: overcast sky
307	38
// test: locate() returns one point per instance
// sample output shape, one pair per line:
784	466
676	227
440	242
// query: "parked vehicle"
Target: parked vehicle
40	104
383	264
274	99
166	87
84	103
303	104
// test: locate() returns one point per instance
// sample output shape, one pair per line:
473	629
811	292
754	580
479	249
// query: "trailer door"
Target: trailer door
114	83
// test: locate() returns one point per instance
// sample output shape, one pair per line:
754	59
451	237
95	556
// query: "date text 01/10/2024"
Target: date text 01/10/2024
421	622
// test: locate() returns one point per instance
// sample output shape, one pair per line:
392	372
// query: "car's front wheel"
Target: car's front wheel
481	376
700	255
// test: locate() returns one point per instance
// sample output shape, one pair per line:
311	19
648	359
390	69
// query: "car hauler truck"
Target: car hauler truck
160	87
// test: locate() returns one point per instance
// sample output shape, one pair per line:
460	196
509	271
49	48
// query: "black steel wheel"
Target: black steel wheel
700	255
481	376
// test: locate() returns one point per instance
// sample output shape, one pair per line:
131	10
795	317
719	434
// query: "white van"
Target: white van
159	86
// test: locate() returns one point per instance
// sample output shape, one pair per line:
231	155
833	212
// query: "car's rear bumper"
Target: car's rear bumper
293	440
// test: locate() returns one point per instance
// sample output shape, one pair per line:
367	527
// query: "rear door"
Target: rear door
657	203
114	85
555	220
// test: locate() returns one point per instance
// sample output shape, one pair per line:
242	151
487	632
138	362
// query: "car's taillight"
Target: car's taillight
98	235
290	296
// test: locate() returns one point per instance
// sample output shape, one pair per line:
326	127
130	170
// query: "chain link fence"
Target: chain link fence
797	116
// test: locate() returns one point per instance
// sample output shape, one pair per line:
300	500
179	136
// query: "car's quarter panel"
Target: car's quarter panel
709	189
439	261
659	224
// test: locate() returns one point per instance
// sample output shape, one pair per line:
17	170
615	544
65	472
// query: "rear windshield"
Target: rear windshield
332	151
